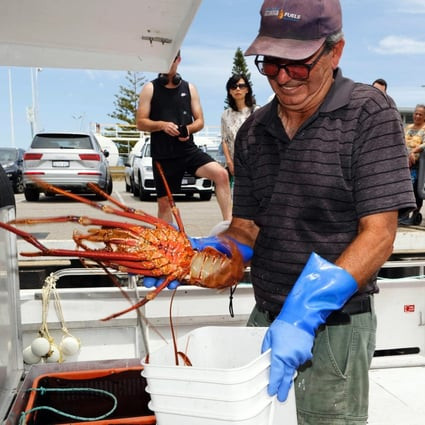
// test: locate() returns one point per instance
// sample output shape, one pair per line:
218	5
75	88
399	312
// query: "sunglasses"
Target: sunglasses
270	67
238	86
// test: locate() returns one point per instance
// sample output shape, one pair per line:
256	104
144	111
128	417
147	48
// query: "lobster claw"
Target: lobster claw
211	268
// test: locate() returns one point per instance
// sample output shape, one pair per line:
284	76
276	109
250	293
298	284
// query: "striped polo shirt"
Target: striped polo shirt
307	194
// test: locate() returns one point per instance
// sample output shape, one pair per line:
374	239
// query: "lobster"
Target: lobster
156	249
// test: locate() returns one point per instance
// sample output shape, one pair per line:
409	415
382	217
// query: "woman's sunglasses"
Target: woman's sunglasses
238	86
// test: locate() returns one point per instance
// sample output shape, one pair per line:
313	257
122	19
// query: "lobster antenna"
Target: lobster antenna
174	209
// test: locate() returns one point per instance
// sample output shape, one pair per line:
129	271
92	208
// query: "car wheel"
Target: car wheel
144	195
136	188
205	196
109	186
127	187
19	185
31	195
132	186
417	219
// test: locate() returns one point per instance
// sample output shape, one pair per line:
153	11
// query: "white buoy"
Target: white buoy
40	346
29	357
54	356
70	346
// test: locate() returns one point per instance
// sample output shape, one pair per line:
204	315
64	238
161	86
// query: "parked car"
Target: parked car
128	172
144	185
65	160
11	160
216	152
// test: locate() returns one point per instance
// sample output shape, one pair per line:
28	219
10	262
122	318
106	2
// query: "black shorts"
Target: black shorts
175	168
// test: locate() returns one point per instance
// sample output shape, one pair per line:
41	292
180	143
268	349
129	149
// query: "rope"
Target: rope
49	291
232	291
43	390
49	282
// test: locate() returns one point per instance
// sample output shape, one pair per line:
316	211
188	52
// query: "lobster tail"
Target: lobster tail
213	269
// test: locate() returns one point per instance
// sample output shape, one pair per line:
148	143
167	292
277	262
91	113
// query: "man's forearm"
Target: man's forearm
146	124
371	248
195	126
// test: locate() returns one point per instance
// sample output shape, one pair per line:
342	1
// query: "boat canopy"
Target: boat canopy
134	35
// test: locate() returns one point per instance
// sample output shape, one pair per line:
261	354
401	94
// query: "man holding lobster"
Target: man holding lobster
320	177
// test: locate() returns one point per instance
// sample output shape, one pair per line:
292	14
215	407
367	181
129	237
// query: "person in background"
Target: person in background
380	84
170	109
241	105
415	141
321	174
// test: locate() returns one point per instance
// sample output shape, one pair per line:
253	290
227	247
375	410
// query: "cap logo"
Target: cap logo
281	14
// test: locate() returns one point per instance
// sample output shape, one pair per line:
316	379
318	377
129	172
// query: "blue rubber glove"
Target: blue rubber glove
199	244
217	242
150	282
286	358
321	288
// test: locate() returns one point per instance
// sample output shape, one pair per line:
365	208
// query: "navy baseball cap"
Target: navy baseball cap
295	29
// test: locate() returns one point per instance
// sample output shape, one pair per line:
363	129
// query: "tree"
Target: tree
240	66
126	102
127	99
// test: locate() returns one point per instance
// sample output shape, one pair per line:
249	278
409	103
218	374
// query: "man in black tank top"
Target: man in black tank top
170	109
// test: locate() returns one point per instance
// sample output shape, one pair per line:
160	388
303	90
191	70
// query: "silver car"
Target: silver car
11	160
65	160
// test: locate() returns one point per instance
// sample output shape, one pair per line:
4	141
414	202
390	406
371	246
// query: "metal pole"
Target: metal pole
12	121
33	117
36	107
34	92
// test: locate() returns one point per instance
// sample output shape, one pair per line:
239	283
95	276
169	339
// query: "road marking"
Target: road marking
118	196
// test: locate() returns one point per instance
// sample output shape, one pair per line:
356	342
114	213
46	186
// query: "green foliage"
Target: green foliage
127	99
240	66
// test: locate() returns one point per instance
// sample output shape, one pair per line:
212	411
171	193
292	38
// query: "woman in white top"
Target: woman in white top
241	105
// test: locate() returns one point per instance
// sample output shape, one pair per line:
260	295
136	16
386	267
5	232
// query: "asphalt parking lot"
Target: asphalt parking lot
199	217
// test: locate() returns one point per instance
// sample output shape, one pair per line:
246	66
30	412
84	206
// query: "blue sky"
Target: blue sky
384	38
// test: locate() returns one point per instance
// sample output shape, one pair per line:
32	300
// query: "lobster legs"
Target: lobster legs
140	263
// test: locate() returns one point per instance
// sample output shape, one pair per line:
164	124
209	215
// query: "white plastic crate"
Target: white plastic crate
270	413
218	354
227	381
189	388
203	404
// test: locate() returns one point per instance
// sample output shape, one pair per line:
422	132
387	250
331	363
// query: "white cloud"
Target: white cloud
412	6
393	44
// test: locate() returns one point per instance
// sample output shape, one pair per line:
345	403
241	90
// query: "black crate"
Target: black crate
127	385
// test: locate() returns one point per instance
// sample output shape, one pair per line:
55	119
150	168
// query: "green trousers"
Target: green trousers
333	388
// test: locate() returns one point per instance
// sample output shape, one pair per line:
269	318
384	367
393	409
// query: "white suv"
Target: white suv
144	185
65	160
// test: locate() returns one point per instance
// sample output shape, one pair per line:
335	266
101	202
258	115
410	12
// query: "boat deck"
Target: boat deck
397	396
397	380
